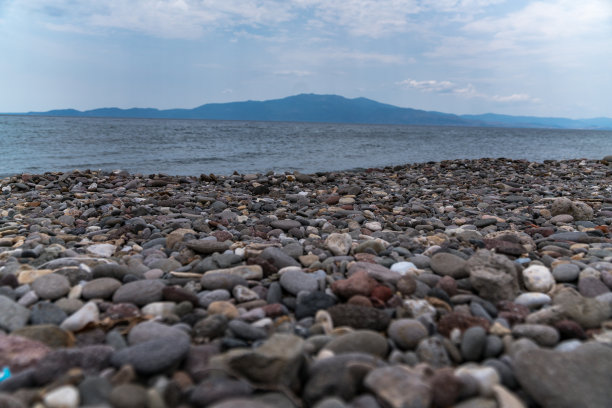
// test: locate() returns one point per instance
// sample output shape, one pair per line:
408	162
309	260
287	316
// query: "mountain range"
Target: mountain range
334	109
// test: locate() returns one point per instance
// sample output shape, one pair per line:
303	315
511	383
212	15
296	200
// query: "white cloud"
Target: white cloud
463	91
293	73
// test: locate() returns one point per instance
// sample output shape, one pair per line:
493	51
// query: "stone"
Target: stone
48	334
376	271
293	280
407	333
311	303
588	312
399	387
211	327
207	246
51	286
128	396
359	341
223	308
225	281
447	264
545	336
89	313
214	390
278	258
585	379
533	299
90	359
47	313
493	276
461	321
13	316
101	288
150	330
277	361
247	331
359	317
140	292
339	244
445	387
537	278
102	250
403	267
431	350
66	396
486	377
473	343
286	224
592	287
358	283
244	294
94	391
19	353
153	356
338	376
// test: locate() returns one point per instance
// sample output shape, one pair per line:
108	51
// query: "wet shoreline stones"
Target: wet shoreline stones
460	283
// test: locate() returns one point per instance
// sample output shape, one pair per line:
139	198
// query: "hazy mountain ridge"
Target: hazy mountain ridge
335	109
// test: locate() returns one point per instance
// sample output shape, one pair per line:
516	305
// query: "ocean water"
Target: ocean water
193	147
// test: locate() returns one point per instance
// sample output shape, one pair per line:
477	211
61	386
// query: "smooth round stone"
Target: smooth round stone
444	263
47	313
101	288
51	286
214	281
592	287
543	335
140	292
293	280
128	396
153	356
247	331
66	396
533	300
359	341
285	225
373	226
566	272
407	333
223	308
494	346
538	278
89	313
206	298
159	309
473	343
421	261
403	267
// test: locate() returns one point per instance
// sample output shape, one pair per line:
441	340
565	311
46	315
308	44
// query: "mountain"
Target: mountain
334	109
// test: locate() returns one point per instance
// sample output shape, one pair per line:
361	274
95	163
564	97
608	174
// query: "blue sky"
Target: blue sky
543	58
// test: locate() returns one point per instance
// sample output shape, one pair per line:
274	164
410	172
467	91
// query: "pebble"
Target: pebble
411	285
66	396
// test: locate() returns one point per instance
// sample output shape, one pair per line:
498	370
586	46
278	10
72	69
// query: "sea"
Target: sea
32	144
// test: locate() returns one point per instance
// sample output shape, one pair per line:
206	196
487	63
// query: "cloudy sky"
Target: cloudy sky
544	58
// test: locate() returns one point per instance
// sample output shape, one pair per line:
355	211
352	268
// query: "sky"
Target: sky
537	58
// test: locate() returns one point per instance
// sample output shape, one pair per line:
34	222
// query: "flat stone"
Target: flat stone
544	335
102	250
51	286
139	292
89	313
567	379
295	281
359	317
47	313
407	333
153	356
376	271
533	299
207	246
278	258
285	225
399	387
145	331
339	244
247	272
19	353
48	334
13	316
361	341
444	263
101	288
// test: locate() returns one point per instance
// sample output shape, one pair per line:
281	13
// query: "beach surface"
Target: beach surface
465	283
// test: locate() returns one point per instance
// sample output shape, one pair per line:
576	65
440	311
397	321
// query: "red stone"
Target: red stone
382	293
358	284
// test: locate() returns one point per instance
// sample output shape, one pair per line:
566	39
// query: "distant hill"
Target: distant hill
333	109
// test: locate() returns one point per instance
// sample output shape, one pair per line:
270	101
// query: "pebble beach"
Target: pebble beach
467	283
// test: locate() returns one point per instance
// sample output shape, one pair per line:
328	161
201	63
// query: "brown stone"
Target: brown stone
20	353
358	284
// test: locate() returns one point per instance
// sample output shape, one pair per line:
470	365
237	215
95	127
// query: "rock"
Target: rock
407	333
533	299
225	281
140	292
588	312
376	271
149	330
94	391
473	343
277	361
493	276
247	331
153	356
278	258
545	336
66	396
431	351
51	286
358	283
359	341
90	359
101	288
338	376
293	280
285	225
48	334
102	250
223	308
591	287
486	377
213	390
207	246
309	304
359	317
87	314
19	353
128	396
211	327
403	267
13	316
339	244
579	210
585	379
47	313
538	278
444	263
399	387
455	320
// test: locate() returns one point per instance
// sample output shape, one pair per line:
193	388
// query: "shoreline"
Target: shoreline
461	282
